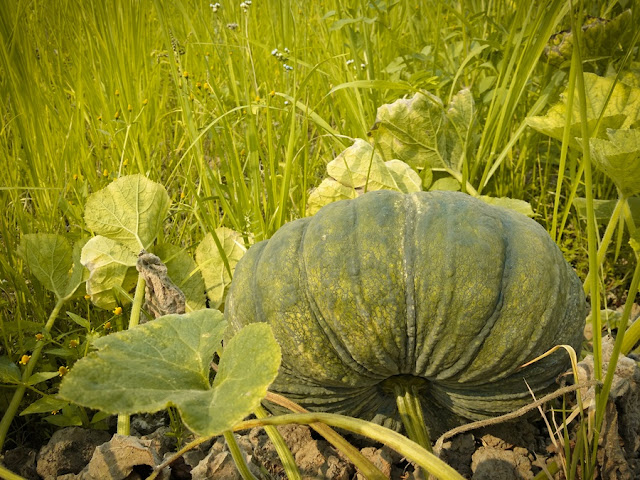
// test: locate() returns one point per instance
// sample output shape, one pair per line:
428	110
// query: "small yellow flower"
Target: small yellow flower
145	101
198	85
105	173
129	107
272	93
87	297
25	359
243	152
99	118
117	92
191	97
39	336
117	115
185	74
62	371
107	326
55	412
257	99
182	195
126	162
117	311
75	176
73	343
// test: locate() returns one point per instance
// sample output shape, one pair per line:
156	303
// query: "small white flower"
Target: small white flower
286	50
215	7
350	61
363	66
286	102
232	26
274	52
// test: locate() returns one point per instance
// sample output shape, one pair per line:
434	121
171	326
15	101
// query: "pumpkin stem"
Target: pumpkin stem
408	400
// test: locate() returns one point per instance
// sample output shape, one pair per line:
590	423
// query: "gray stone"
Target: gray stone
68	451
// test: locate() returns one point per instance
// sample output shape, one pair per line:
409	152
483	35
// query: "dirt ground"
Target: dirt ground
516	450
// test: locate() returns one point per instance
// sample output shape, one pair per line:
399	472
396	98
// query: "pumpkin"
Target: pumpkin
434	290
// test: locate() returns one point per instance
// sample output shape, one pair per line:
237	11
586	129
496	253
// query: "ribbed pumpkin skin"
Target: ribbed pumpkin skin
435	285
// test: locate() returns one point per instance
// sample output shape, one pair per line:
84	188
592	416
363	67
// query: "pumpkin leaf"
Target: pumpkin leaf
447	184
129	211
359	166
603	209
167	362
358	169
601	37
619	158
9	371
111	268
212	266
184	272
327	192
53	262
127	215
620	111
515	204
408	129
406	178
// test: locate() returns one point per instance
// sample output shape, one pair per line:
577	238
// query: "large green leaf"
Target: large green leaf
622	110
129	210
421	132
167	362
601	38
111	268
603	209
53	262
184	272
619	158
515	204
360	168
408	130
210	260
328	191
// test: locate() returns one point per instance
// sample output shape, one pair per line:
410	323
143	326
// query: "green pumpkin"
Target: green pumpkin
434	289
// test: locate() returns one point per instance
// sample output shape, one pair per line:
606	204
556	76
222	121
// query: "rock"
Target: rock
219	463
68	451
380	457
458	451
490	463
122	458
22	460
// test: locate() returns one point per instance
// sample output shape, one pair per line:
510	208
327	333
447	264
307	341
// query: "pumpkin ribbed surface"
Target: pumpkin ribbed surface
433	287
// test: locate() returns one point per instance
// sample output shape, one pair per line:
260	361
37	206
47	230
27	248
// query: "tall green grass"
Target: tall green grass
195	99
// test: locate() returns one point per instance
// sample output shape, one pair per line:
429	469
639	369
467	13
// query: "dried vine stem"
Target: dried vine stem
512	415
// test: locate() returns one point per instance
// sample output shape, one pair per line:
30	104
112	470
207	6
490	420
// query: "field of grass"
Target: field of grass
236	108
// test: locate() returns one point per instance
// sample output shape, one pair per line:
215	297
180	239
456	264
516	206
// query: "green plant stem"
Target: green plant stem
7	474
606	238
238	457
408	448
12	409
566	138
410	410
551	469
286	457
124	421
619	346
591	225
